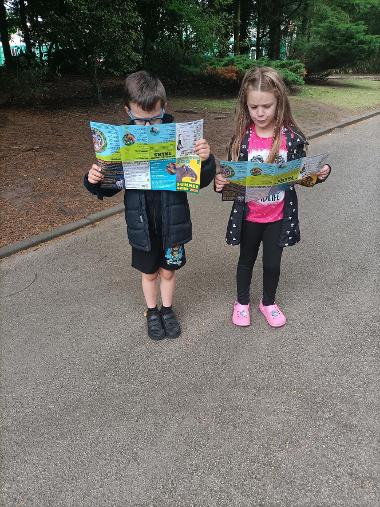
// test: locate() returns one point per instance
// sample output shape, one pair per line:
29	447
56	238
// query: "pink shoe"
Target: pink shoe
273	315
241	315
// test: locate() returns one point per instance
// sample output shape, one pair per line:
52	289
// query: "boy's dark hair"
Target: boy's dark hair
144	90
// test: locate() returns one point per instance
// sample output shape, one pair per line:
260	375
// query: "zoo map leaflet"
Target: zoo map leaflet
257	181
151	157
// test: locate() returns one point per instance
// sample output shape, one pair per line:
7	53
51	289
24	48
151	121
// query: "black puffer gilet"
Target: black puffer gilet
175	226
175	215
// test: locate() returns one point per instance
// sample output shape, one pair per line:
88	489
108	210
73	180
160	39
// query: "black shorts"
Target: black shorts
150	262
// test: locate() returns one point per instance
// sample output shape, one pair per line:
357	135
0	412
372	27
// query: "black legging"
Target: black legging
252	235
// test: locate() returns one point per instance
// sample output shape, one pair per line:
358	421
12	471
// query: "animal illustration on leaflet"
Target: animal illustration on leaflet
181	171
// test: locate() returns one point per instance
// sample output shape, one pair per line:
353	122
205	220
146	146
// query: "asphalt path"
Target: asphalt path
96	414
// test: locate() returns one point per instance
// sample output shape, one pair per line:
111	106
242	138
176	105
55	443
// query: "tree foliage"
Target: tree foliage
334	35
175	32
176	38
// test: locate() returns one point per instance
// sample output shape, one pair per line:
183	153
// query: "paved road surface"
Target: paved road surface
95	414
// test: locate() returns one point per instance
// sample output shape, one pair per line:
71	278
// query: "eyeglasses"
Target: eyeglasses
153	120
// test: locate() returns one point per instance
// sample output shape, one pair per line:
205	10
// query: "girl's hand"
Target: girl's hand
95	174
202	149
324	172
220	182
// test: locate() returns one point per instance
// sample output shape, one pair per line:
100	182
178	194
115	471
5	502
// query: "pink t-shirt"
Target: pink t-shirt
269	209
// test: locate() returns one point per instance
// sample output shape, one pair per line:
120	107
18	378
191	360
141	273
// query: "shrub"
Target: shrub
27	84
229	75
229	71
336	44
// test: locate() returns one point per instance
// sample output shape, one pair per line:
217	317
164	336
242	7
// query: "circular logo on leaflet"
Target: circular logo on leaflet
228	172
99	140
129	139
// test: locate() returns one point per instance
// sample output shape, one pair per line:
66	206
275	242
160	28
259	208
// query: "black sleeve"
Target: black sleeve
208	170
229	157
215	190
301	150
97	190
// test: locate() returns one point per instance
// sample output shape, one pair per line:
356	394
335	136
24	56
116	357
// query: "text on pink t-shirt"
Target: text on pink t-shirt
271	208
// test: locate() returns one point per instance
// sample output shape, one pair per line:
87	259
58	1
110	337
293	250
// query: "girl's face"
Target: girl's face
262	107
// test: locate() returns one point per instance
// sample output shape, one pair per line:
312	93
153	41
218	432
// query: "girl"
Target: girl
265	130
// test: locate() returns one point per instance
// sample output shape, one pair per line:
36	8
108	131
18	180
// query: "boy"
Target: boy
158	222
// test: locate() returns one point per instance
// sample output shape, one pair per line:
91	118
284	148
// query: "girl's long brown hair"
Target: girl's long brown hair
263	79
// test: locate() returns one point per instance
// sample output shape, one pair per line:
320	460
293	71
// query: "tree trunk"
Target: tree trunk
49	52
305	20
275	12
261	15
237	27
149	12
25	28
274	39
258	37
245	25
5	36
97	84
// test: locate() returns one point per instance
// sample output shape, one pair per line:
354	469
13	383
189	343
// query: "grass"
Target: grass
203	104
347	94
352	94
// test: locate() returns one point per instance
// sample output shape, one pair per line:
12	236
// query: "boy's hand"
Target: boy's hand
95	174
220	182
324	172
202	149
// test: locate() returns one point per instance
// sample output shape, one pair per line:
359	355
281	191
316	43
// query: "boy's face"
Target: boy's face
142	117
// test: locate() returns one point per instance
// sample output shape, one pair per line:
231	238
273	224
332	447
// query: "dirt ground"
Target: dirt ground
44	155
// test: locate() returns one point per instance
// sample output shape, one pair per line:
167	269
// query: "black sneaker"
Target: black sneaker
154	322
170	323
